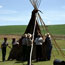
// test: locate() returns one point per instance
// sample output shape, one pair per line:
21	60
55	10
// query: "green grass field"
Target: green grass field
20	29
55	55
12	29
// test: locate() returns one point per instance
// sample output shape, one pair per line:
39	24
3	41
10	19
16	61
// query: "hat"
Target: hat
29	35
25	35
47	34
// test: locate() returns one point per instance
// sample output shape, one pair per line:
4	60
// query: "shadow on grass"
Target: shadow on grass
22	62
1	61
19	62
39	61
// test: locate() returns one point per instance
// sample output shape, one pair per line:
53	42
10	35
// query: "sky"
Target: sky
18	12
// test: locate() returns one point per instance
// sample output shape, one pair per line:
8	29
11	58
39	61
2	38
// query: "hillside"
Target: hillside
16	29
19	29
57	29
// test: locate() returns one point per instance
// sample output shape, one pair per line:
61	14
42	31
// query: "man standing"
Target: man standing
38	42
3	46
14	46
14	42
24	47
48	46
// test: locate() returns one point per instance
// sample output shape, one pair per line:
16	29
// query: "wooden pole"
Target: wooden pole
32	44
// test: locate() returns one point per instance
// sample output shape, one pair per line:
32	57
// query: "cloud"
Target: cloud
7	11
1	6
49	23
54	17
13	21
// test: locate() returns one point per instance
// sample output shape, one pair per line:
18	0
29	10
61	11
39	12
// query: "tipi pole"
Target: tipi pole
44	26
32	44
52	37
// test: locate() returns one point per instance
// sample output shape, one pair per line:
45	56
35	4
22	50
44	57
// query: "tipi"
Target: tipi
16	52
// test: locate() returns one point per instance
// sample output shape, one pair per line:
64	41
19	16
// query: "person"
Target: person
4	46
38	42
14	42
14	46
24	47
29	42
48	46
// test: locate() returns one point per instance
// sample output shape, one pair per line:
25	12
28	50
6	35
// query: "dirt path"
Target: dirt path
10	36
18	36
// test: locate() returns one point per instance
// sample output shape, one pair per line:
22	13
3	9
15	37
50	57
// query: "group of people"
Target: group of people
39	42
4	46
27	41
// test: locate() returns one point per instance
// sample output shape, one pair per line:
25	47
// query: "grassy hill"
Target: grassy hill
16	29
19	29
57	29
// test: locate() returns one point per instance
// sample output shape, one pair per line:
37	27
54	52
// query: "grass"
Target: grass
12	29
55	55
20	29
57	29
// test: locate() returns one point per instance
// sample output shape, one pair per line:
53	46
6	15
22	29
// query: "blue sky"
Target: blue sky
18	12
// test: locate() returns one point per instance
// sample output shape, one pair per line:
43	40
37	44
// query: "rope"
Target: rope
35	3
